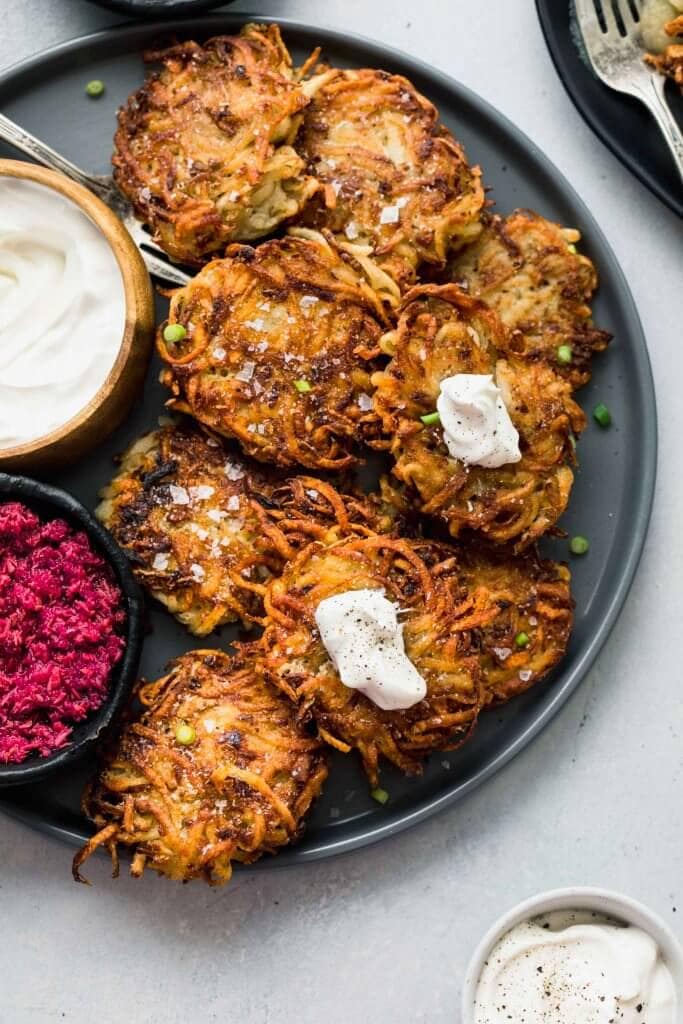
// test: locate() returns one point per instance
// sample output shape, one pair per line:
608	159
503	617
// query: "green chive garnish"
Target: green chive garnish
185	735
571	247
564	354
602	415
522	639
174	332
302	386
380	795
94	88
578	545
430	418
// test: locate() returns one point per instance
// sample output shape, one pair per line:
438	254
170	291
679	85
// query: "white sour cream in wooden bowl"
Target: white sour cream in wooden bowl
62	310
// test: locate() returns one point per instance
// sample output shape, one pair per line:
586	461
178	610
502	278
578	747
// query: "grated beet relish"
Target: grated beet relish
61	620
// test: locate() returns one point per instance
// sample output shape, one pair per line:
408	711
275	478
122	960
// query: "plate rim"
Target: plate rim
612	143
398	821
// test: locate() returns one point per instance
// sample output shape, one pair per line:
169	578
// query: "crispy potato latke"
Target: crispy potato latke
527	269
280	343
529	633
216	769
670	61
203	149
443	331
436	638
397	188
205	529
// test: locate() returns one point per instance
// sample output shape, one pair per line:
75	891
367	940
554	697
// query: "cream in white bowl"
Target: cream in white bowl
62	310
576	956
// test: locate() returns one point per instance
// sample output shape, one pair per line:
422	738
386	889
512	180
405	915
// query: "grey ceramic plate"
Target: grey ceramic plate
613	492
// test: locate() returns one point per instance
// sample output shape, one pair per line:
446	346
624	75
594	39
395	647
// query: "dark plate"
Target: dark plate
623	123
614	488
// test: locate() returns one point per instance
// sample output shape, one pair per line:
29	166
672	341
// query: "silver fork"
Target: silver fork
616	53
104	188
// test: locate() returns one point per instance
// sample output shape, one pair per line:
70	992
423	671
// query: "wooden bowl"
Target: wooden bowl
108	407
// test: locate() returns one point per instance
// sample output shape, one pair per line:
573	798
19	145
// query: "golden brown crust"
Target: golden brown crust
281	343
238	790
203	148
397	190
443	331
670	62
527	269
436	641
532	599
205	529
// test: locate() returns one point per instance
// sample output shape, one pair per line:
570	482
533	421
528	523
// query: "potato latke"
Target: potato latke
436	641
279	348
205	529
203	149
216	769
397	188
528	270
443	331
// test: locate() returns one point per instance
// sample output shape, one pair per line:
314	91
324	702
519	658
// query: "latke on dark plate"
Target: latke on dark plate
215	769
397	190
437	641
278	347
529	633
529	271
206	529
204	148
442	331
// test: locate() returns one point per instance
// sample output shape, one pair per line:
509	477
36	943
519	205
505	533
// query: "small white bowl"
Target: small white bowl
610	904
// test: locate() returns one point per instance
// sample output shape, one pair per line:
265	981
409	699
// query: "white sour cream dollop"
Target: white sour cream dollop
364	639
62	310
477	428
575	968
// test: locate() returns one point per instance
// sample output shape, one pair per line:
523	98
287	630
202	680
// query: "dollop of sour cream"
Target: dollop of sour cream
477	428
62	310
575	968
364	639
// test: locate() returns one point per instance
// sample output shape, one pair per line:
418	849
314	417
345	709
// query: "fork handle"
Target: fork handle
33	147
651	92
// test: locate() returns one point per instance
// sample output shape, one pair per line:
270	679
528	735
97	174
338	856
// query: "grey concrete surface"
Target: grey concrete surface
382	936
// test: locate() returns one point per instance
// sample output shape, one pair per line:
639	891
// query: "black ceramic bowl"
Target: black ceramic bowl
160	8
51	503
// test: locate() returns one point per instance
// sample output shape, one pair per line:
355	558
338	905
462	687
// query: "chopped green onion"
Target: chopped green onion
185	734
380	795
564	354
430	418
302	386
602	415
174	332
572	441
578	545
522	639
571	247
94	88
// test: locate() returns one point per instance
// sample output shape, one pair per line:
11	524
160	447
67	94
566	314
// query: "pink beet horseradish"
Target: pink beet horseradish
61	632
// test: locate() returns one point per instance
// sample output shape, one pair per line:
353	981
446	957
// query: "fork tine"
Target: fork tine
611	27
588	23
164	271
626	15
140	236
